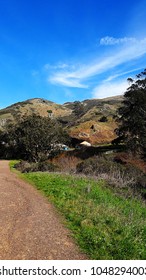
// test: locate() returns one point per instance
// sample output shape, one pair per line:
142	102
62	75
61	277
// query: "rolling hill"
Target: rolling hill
91	120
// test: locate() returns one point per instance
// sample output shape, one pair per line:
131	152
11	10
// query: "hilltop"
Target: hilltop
91	119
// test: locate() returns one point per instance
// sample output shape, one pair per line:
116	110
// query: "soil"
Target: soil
30	226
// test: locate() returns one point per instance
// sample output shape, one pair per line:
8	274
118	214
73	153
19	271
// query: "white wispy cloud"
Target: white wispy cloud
110	89
59	65
78	76
66	79
116	41
112	77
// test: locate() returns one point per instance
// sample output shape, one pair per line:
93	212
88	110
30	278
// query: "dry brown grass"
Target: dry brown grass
135	161
66	163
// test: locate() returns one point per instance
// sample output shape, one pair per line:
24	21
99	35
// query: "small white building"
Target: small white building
85	143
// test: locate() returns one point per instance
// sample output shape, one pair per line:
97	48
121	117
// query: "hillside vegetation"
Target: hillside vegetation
33	106
90	120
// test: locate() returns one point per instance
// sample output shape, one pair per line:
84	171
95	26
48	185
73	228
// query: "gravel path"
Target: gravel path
30	227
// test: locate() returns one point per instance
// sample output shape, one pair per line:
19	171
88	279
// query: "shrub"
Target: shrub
46	166
103	119
95	165
67	163
125	179
25	167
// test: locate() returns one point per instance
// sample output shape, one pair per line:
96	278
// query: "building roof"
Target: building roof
85	143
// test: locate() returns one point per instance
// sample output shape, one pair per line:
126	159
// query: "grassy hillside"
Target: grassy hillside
83	120
94	132
86	122
36	106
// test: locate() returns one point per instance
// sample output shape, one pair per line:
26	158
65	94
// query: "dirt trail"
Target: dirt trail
30	227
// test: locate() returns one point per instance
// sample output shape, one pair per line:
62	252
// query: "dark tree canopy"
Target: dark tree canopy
132	115
32	138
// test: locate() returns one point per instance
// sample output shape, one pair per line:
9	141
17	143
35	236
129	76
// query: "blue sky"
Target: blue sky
67	50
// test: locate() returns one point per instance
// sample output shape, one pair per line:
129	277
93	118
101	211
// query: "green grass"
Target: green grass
12	164
104	225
